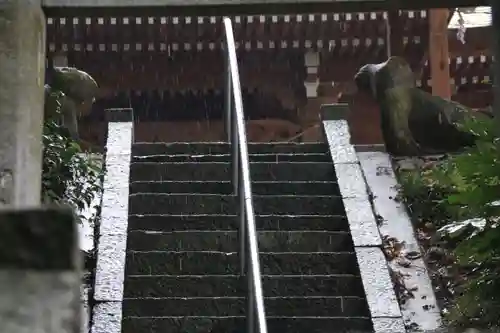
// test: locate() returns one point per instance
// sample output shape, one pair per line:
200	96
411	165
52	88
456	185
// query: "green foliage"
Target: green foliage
461	187
69	176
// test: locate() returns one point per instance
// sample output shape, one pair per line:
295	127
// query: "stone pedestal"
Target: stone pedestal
39	271
22	70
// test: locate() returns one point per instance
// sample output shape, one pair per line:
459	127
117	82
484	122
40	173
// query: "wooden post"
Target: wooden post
439	53
40	274
394	34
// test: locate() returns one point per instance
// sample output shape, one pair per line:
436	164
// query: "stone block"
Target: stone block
336	111
39	271
119	115
22	69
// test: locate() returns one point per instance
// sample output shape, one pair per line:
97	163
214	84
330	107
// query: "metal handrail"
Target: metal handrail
235	128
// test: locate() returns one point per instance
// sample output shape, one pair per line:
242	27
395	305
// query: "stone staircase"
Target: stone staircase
182	269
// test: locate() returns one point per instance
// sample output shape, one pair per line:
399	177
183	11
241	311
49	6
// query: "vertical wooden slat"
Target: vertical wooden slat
394	33
438	52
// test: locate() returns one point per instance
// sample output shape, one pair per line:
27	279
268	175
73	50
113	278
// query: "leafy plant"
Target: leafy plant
69	175
448	195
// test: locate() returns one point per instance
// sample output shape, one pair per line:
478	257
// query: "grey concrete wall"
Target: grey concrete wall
22	69
39	271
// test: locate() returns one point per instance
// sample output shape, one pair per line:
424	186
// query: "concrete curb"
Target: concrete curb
112	241
384	308
422	309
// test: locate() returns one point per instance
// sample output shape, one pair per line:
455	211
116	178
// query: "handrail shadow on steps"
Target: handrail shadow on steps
236	134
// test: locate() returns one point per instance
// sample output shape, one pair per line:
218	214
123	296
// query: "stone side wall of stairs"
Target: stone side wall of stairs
315	224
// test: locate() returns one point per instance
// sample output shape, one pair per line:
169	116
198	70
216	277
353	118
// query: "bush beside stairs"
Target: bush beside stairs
182	265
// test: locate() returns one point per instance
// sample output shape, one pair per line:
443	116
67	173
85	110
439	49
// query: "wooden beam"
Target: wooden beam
394	34
117	8
439	53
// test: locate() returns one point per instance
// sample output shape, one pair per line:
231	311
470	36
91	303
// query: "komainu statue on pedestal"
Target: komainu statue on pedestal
413	121
67	89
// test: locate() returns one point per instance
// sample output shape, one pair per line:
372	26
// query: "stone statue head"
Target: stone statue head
74	83
376	78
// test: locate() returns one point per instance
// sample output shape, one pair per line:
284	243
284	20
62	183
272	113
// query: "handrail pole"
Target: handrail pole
228	102
240	149
250	303
236	158
243	233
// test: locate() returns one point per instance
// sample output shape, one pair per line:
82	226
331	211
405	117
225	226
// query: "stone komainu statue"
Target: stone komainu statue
413	121
68	88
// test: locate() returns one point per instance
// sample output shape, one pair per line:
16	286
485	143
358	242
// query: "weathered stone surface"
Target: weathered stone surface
227	241
159	203
119	115
344	154
364	230
238	324
422	308
337	133
40	301
236	306
38	239
74	83
351	181
377	282
22	68
259	171
110	268
231	222
413	121
39	271
226	187
155	148
114	210
150	286
107	317
276	158
362	223
385	325
117	169
192	269
334	112
69	90
339	141
120	138
220	263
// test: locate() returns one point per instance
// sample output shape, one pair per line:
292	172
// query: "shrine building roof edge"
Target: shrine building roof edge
228	7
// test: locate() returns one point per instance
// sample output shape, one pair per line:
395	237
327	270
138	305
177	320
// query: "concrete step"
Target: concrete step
222	171
232	222
281	157
236	306
223	263
177	204
228	241
226	187
160	148
158	286
237	324
183	265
